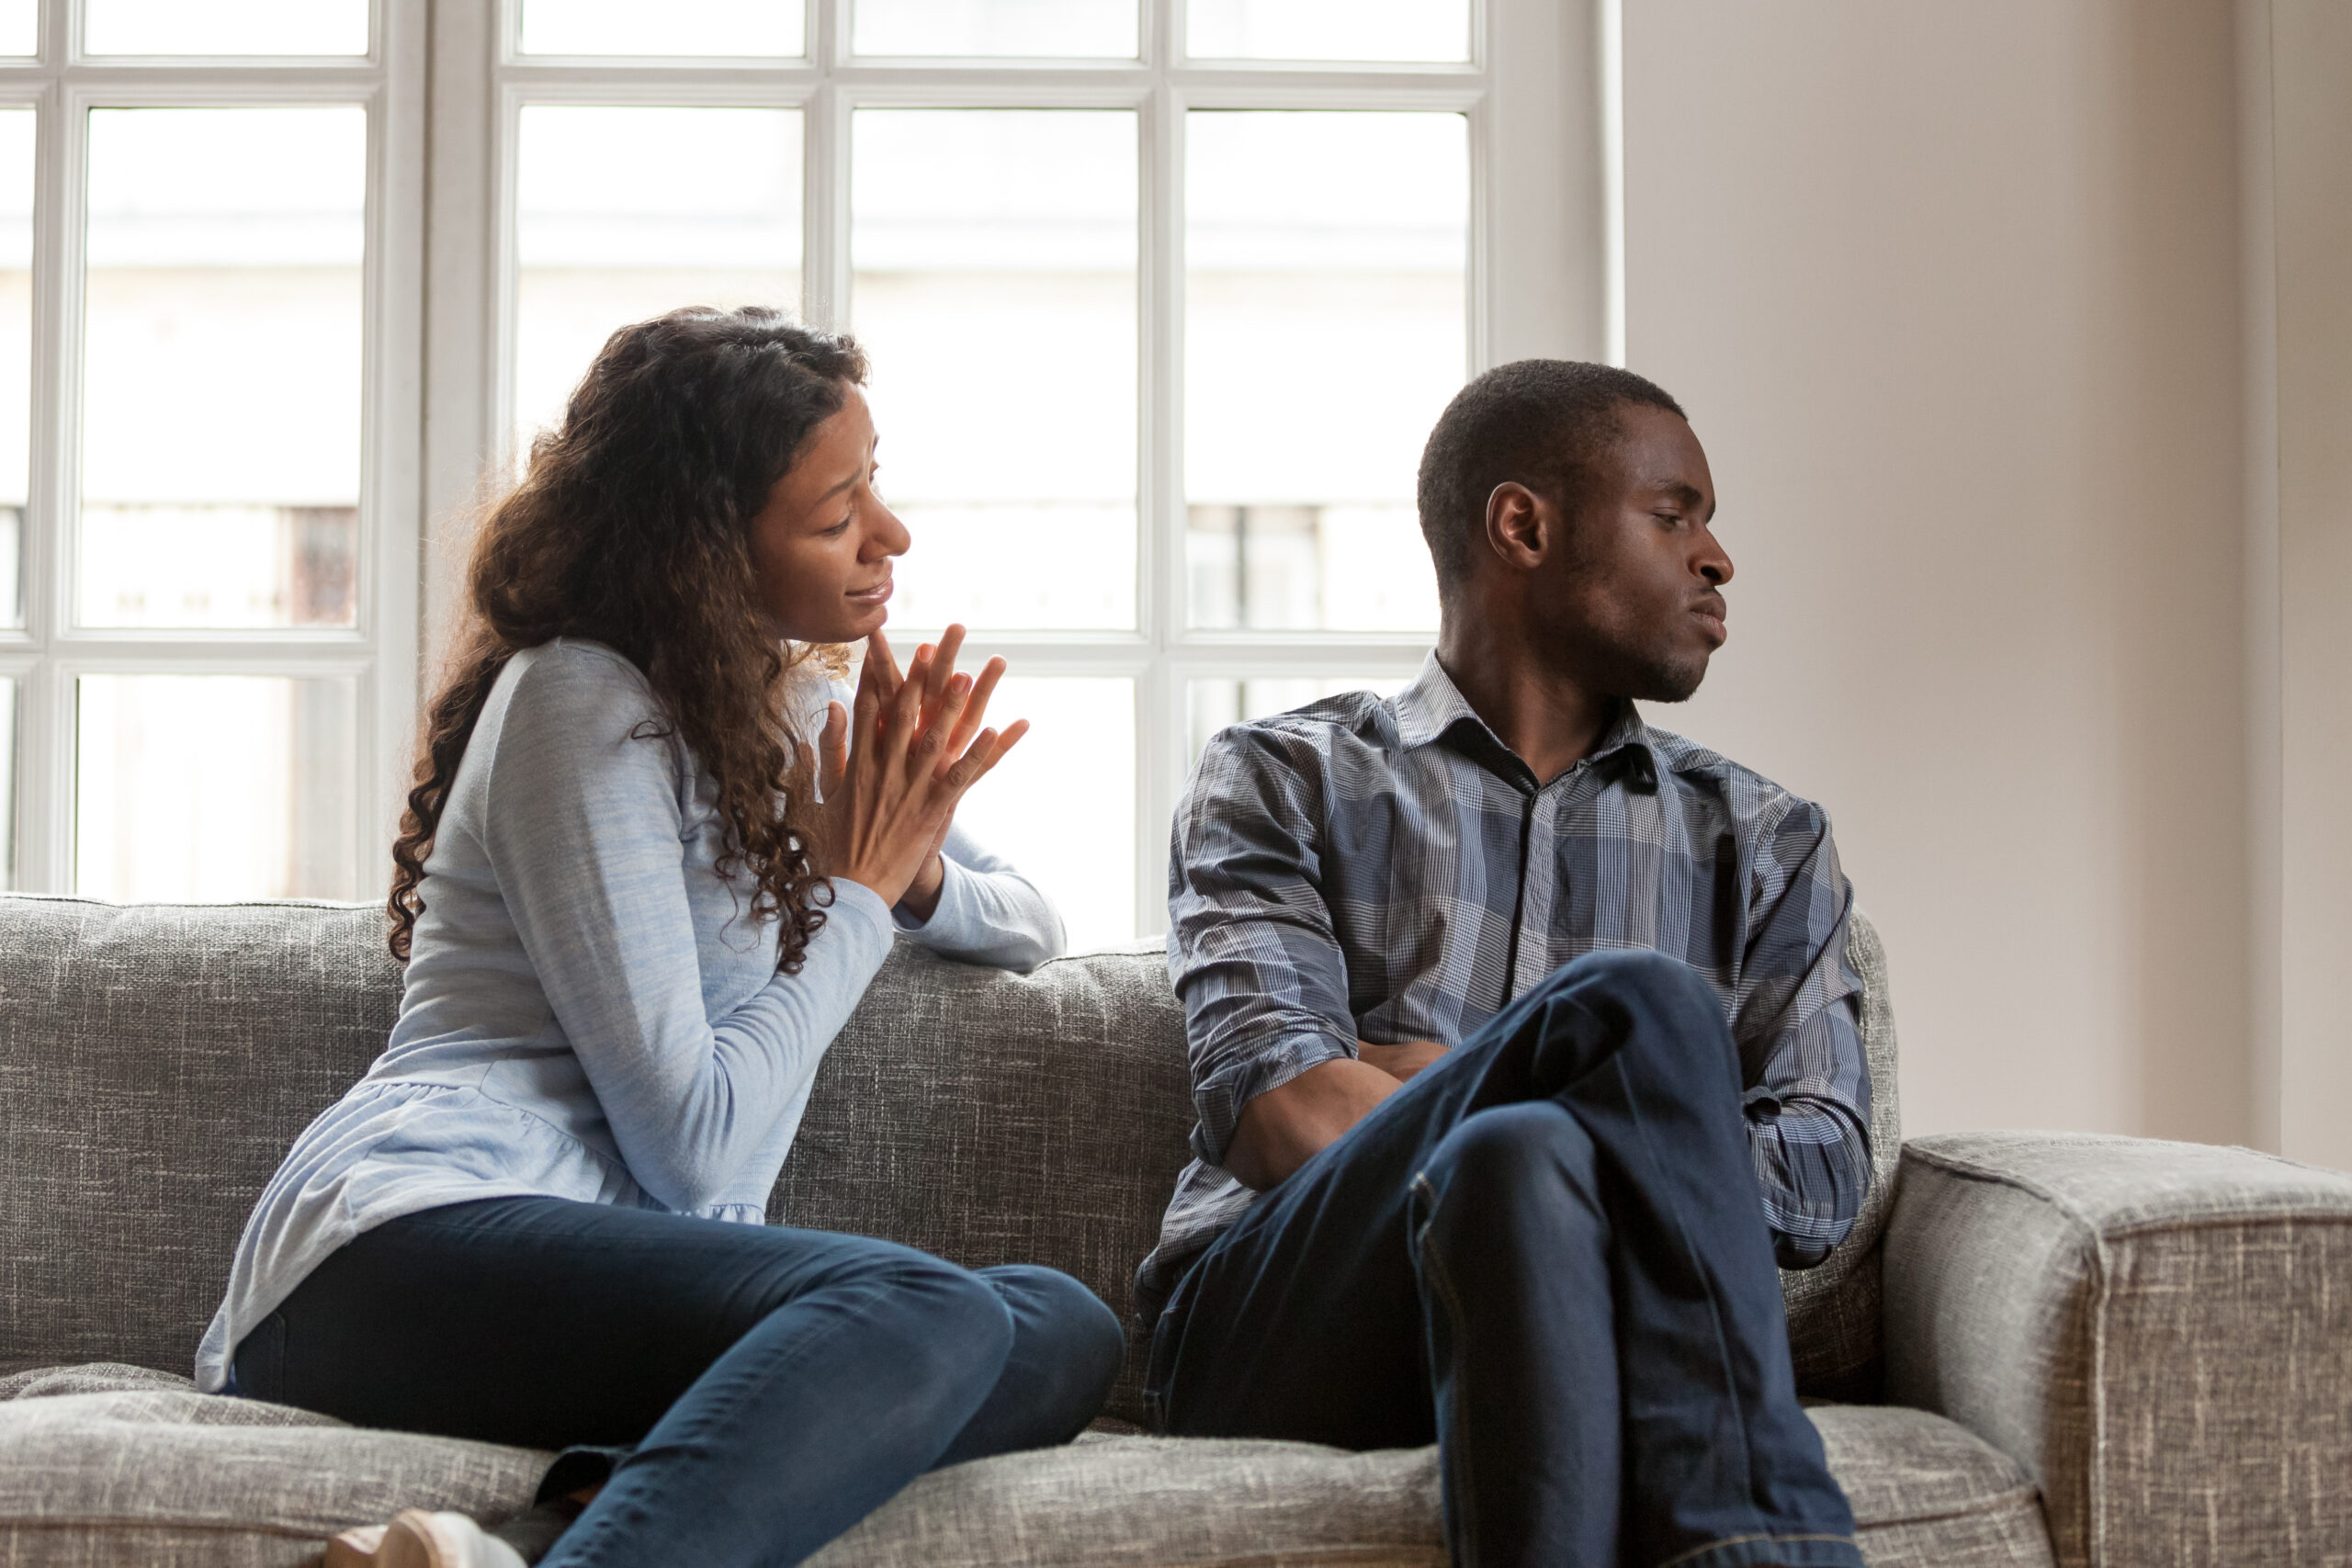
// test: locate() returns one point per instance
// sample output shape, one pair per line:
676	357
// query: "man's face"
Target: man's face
1631	605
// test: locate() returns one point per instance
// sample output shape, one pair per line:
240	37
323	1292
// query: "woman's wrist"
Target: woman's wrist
920	900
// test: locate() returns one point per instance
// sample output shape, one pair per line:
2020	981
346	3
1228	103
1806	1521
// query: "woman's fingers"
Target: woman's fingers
881	664
902	718
832	752
990	673
988	749
935	744
941	669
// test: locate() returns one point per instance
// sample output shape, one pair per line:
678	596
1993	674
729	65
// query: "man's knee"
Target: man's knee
1508	1154
1508	1179
1643	986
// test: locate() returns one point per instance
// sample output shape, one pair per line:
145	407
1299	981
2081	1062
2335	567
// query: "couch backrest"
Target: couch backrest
156	1061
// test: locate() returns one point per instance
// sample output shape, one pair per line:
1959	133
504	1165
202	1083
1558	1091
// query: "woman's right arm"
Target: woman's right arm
582	825
583	828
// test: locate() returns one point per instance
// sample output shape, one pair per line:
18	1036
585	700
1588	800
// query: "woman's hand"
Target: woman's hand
894	771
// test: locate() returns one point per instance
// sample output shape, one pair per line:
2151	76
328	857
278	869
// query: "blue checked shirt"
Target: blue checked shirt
1389	870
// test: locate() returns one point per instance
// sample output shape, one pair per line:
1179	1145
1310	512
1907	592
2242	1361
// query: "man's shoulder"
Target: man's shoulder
1746	795
1349	723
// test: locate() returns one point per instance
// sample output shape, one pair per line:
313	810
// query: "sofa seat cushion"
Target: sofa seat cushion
107	1464
103	1465
1928	1492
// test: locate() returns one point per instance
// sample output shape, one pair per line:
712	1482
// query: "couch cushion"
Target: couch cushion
104	1465
157	1060
101	1465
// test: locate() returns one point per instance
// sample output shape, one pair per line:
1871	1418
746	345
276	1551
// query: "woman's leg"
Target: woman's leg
1067	1347
779	1384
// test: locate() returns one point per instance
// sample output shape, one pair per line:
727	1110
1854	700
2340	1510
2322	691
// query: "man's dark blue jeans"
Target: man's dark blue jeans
1548	1253
769	1387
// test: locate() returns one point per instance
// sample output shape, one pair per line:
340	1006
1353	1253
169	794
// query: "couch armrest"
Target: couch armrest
2160	1333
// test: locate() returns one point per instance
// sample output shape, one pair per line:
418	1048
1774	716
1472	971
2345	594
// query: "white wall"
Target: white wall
2303	462
1950	291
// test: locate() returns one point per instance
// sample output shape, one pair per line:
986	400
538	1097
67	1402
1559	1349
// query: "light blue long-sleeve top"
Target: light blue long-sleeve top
590	1013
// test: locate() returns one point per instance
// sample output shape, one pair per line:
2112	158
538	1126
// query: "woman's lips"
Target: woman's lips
878	594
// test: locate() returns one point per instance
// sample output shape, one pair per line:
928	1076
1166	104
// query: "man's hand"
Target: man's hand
1402	1060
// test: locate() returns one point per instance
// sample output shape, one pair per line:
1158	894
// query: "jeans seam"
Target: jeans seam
1458	1456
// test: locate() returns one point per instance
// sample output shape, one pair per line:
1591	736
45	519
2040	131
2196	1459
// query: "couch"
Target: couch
2036	1348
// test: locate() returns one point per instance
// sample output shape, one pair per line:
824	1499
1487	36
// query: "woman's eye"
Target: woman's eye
838	529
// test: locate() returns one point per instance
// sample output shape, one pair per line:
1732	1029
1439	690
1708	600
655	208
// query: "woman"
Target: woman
631	933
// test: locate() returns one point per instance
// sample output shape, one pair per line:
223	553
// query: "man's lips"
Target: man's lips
1711	616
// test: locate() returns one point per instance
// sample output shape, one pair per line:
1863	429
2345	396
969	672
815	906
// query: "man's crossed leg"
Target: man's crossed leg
1546	1252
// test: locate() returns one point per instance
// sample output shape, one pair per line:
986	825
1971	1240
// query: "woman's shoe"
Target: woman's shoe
419	1540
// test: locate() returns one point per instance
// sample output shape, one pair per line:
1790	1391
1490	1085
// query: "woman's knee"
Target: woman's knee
1060	1326
936	1318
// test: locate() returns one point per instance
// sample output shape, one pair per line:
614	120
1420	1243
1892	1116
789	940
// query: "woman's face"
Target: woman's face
822	546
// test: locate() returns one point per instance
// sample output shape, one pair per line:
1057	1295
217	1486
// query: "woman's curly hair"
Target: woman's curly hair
632	528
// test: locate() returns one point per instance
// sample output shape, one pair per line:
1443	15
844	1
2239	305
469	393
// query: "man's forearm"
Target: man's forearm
1284	1128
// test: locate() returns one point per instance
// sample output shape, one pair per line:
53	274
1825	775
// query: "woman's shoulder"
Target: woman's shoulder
569	698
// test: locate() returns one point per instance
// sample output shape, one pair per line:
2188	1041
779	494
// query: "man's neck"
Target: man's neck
1547	718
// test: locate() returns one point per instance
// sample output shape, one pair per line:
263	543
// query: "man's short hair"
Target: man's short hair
1544	422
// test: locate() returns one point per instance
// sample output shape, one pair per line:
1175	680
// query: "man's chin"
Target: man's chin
1675	683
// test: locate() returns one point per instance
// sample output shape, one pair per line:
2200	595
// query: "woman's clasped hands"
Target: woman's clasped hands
893	769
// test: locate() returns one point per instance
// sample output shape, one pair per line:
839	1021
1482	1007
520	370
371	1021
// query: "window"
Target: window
1162	298
210	309
1161	295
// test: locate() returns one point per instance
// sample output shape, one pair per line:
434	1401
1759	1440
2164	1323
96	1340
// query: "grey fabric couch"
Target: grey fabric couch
2036	1348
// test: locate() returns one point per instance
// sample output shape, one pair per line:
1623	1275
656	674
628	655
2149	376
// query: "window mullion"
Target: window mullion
45	769
1160	719
824	219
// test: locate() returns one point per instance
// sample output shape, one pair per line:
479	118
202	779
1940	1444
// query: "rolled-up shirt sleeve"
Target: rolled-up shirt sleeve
1797	1020
1251	947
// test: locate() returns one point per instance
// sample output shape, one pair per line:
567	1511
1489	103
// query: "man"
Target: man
1522	1036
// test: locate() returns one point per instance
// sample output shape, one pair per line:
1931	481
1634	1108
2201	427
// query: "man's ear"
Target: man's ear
1519	526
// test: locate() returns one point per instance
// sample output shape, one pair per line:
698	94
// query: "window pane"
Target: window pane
1324	322
20	27
15	350
227	27
675	26
214	787
1036	29
994	256
1212	704
1327	30
1061	808
221	381
625	213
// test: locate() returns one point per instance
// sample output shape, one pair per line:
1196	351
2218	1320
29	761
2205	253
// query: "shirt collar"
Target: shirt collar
1432	708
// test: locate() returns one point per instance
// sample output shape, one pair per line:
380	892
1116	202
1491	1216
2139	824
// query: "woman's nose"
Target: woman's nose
888	536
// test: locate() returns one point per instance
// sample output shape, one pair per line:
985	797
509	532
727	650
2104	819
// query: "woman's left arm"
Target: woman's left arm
986	912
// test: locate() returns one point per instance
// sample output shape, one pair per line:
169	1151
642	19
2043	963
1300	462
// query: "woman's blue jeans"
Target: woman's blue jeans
775	1386
1548	1253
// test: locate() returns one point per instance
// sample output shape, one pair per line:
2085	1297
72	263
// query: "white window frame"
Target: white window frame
49	654
1543	273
